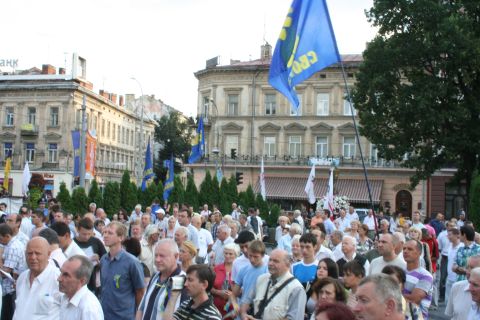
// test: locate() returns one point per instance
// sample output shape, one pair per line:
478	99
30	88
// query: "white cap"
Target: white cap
160	210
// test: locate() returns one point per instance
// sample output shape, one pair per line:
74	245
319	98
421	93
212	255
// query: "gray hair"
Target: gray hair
296	213
232	246
85	269
171	244
337	233
296	238
385	288
225	228
184	230
399	237
296	228
351	239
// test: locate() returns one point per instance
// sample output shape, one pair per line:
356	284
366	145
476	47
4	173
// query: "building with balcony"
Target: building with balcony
40	108
242	112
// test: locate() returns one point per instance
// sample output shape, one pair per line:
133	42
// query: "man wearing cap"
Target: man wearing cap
161	222
243	240
148	242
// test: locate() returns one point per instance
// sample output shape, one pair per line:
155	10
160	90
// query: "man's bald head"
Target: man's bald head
37	255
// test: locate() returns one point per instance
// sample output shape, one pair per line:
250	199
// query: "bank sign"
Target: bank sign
12	63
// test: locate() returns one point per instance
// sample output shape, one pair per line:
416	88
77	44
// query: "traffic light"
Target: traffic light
239	177
233	153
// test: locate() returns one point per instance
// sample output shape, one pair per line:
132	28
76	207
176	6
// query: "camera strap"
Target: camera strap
264	303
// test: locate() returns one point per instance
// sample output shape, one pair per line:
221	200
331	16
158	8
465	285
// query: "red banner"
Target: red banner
91	143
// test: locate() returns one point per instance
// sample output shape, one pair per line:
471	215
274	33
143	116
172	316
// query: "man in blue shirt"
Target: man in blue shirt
121	276
306	270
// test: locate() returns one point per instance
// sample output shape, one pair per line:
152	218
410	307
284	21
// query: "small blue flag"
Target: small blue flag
168	185
148	174
76	152
198	144
306	45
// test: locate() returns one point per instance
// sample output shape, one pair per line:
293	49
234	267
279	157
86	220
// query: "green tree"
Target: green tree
226	199
174	132
264	208
206	190
474	206
149	195
191	193
178	192
418	87
247	198
233	190
63	196
159	194
111	198
79	201
215	195
94	194
128	192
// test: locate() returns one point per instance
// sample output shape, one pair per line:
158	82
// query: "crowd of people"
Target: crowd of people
174	263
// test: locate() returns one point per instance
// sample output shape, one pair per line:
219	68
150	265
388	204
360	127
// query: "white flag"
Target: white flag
309	187
26	179
328	203
262	183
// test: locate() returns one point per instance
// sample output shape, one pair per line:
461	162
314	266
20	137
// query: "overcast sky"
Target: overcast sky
159	42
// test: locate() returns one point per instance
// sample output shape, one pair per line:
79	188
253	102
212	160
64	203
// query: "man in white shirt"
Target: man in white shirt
352	215
282	222
56	257
342	222
235	212
26	225
416	222
453	245
69	247
369	220
78	303
321	252
205	240
336	241
223	237
474	287
37	287
386	249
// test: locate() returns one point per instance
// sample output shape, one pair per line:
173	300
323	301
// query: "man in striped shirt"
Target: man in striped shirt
199	282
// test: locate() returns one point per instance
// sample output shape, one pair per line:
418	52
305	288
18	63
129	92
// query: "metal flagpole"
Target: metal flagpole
359	147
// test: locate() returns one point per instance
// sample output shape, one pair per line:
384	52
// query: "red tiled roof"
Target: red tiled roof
293	188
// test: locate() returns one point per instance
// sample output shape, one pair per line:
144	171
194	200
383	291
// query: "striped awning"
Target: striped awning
293	188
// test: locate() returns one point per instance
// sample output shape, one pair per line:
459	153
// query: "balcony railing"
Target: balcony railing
29	129
287	160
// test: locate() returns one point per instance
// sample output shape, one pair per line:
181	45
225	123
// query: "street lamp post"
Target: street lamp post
140	147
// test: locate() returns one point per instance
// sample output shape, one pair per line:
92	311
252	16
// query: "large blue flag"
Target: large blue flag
198	144
76	152
148	174
168	185
306	45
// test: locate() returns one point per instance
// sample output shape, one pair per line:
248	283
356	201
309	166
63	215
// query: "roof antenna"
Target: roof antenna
264	26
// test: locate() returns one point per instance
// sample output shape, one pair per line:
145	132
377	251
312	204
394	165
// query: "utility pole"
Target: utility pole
83	136
140	138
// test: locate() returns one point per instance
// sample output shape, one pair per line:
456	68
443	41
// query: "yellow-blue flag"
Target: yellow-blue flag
306	45
148	174
198	144
168	185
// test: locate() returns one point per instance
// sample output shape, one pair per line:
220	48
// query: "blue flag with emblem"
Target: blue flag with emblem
168	185
76	152
198	144
148	174
306	45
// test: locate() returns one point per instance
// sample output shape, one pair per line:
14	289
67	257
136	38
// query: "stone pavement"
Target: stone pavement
439	313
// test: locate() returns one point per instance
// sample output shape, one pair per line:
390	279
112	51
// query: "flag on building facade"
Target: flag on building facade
328	199
76	152
148	174
310	186
219	174
168	185
26	178
198	144
306	45
91	146
263	191
6	174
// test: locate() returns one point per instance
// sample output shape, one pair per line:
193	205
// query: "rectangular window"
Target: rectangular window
294	146
206	104
298	112
113	132
94	122
7	150
54	116
52	153
349	146
78	119
323	104
373	153
346	108
131	137
32	115
108	129
270	104
30	152
9	120
119	133
231	142
128	137
103	127
232	104
321	150
269	146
